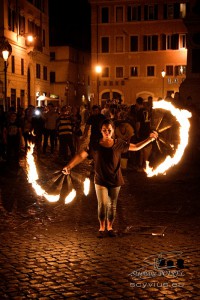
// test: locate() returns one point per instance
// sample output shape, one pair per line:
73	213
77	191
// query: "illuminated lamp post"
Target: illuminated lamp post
98	70
6	51
163	73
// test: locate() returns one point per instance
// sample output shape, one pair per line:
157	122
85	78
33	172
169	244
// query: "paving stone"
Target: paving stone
51	251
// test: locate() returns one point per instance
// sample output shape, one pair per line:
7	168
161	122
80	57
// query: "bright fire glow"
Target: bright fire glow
70	197
181	116
33	177
86	185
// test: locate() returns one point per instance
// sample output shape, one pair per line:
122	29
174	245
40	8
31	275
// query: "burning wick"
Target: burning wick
86	185
70	197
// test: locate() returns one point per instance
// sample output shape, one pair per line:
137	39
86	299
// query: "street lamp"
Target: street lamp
163	73
98	70
6	50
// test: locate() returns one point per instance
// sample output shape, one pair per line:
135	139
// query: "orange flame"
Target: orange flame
86	185
70	197
32	175
181	116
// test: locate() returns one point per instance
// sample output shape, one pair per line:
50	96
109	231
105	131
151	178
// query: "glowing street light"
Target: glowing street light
163	73
98	70
6	51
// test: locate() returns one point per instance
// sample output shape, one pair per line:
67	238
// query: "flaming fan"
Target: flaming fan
173	125
61	186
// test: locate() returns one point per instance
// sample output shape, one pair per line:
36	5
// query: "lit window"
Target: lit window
180	70
183	10
134	71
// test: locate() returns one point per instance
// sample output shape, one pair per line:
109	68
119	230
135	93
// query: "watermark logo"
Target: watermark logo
164	264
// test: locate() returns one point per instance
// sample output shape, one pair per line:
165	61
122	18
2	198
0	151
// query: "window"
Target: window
105	72
30	27
52	56
13	64
169	70
119	44
11	19
13	97
38	71
43	38
119	14
174	10
151	12
45	73
105	45
22	66
22	97
134	71
150	42
119	72
22	25
52	77
104	15
134	13
134	43
179	70
150	70
182	41
182	10
171	41
168	11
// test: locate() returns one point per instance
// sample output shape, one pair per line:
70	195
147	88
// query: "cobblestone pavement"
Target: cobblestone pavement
51	250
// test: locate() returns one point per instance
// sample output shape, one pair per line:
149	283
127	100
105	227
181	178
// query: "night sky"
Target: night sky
69	23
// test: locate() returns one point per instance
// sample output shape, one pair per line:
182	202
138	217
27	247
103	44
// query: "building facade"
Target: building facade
190	87
140	48
24	76
69	75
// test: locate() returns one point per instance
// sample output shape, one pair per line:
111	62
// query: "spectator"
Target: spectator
143	129
27	126
93	123
50	128
77	132
38	122
2	123
65	133
12	135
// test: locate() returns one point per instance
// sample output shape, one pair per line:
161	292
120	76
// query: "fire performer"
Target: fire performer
108	177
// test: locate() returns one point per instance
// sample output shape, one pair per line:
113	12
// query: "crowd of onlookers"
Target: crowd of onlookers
64	129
